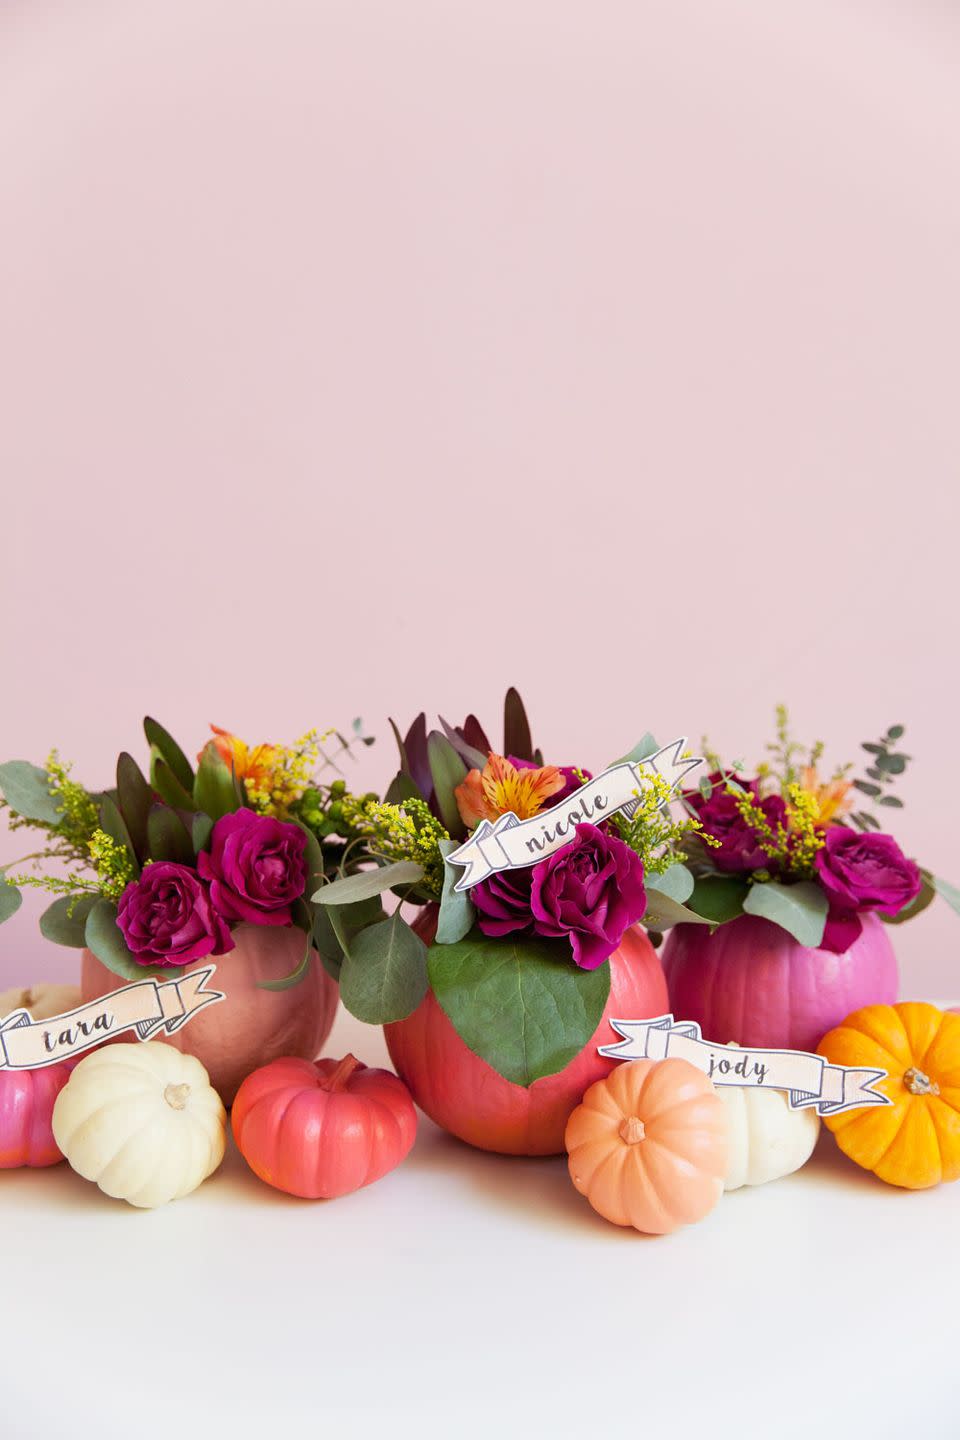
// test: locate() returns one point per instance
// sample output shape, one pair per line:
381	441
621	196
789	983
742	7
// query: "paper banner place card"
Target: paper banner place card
146	1007
809	1080
509	843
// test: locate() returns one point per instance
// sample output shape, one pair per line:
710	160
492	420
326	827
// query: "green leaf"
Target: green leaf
134	798
334	929
166	784
872	748
457	914
367	883
923	898
643	749
866	788
517	739
105	938
799	909
448	771
168	837
10	901
663	911
113	823
58	925
173	756
892	764
949	892
384	972
216	789
402	787
677	883
200	831
523	1006
295	976
26	789
892	800
469	754
895	732
313	854
719	898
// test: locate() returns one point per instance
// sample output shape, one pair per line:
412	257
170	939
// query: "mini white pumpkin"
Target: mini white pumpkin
767	1139
43	999
142	1121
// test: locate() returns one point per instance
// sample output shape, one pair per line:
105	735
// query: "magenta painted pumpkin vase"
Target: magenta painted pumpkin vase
752	983
794	878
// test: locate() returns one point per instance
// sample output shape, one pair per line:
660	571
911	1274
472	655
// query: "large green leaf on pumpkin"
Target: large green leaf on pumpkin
334	929
384	972
719	898
26	789
799	909
677	882
523	1006
367	883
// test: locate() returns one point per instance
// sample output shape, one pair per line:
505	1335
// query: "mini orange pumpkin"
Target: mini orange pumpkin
648	1145
915	1142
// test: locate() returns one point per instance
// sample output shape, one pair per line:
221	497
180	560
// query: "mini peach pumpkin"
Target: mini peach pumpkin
648	1145
915	1142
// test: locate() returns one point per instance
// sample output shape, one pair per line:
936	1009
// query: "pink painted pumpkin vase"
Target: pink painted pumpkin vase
753	983
251	1026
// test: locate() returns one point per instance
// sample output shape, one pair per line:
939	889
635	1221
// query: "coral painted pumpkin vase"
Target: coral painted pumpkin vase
495	998
190	867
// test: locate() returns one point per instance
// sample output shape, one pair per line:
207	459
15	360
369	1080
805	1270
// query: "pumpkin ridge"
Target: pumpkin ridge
635	1171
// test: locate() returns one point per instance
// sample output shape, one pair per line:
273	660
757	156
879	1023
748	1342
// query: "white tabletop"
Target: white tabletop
469	1294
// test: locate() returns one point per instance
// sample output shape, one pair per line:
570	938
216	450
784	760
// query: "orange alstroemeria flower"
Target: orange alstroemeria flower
832	796
255	764
502	787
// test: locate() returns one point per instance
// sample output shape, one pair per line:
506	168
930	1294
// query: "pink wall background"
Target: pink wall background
357	357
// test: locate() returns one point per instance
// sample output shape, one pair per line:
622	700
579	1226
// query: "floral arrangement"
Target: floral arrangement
156	872
553	924
807	852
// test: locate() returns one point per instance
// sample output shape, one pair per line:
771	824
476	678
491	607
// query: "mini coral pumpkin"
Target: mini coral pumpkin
915	1141
648	1145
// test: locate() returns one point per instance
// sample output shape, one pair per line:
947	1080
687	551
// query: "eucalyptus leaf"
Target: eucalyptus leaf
677	883
799	909
163	741
58	924
719	898
523	1006
892	764
313	854
919	903
10	900
949	892
644	748
334	929
367	883
105	938
26	789
663	911
448	771
457	914
384	972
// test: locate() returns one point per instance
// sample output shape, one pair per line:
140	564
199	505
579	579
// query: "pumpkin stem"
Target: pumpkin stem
341	1074
176	1096
632	1130
919	1084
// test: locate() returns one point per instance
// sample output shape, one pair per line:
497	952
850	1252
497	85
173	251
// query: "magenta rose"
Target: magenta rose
256	866
167	918
503	902
589	892
739	848
866	872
